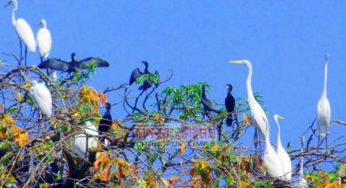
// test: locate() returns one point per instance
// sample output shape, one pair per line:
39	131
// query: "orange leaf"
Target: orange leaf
1	108
114	125
158	117
215	148
102	158
247	119
103	98
95	96
171	180
105	173
182	147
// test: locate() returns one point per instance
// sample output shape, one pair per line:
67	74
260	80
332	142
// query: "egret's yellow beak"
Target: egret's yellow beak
38	23
8	4
302	137
238	62
280	117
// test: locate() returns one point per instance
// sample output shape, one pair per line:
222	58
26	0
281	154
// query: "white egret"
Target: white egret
323	106
22	28
258	117
83	142
301	183
42	97
271	159
284	157
44	40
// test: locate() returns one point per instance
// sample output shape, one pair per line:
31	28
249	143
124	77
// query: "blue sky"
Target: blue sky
285	40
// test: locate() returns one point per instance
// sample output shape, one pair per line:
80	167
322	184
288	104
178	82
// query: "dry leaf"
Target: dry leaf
164	181
105	172
215	148
102	158
247	119
182	147
158	118
103	98
172	179
114	125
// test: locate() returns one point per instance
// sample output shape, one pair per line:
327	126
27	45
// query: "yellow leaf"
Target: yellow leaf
182	147
27	85
164	181
19	97
247	119
103	98
215	148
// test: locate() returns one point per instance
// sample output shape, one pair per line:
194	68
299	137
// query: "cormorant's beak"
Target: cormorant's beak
280	117
237	62
8	4
226	86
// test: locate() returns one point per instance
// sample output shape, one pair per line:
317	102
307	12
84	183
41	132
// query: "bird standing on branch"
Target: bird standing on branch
105	124
84	142
74	65
136	73
258	117
23	30
229	103
42	97
323	106
283	155
207	104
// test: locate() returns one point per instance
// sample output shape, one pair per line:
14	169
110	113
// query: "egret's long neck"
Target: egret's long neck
248	84
44	24
324	94
279	137
14	10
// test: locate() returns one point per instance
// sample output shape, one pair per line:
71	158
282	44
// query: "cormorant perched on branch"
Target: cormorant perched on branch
208	106
105	123
57	64
229	103
137	73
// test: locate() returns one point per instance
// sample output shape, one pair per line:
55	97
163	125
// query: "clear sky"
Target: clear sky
285	40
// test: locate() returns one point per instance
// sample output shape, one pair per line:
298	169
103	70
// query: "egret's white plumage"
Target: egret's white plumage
22	28
258	117
83	143
301	183
323	107
271	159
42	97
44	39
283	155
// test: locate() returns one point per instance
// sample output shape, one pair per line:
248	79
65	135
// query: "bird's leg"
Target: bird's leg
256	141
20	50
26	53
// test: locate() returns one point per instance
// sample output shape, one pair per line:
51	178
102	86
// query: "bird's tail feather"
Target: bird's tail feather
229	120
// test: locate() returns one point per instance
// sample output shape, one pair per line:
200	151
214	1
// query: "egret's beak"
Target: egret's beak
237	62
38	23
302	137
8	4
280	117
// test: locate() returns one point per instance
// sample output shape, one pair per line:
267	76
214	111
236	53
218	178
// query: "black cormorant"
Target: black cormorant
106	122
208	106
229	103
137	73
58	64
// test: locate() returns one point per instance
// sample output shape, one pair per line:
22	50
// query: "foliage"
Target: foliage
45	145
